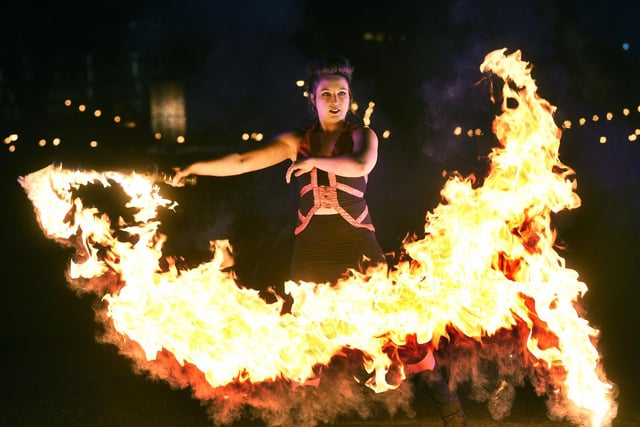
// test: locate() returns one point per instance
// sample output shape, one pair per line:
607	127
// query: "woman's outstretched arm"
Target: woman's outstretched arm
284	146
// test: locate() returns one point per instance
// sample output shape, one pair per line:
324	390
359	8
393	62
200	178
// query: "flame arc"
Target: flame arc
486	264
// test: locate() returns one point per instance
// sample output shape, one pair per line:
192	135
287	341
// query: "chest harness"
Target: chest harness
343	194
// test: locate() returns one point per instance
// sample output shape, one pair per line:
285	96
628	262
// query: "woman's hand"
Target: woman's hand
299	167
179	176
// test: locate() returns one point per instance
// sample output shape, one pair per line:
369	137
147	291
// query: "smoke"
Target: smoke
455	94
339	392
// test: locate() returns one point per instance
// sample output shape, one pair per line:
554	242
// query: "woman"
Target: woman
331	161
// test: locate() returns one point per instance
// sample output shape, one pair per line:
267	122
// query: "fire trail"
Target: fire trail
485	287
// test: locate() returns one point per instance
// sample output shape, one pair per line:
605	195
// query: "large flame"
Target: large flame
486	264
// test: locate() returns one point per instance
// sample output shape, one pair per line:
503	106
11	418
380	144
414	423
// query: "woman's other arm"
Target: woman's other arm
359	163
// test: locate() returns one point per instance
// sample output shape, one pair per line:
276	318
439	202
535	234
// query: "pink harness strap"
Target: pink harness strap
327	197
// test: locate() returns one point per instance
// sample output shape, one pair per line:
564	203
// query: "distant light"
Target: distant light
367	114
245	136
470	133
625	46
457	131
603	140
82	107
609	116
637	132
386	134
566	124
56	142
93	144
625	111
11	138
595	118
42	142
180	139
478	132
157	135
367	36
67	102
130	124
12	148
380	37
117	119
97	113
306	94
633	137
354	106
259	136
300	83
582	121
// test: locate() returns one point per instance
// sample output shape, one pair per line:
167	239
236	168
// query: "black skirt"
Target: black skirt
329	246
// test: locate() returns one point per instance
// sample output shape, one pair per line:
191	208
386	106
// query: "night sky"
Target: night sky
239	61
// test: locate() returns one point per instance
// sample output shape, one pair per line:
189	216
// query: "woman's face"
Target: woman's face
331	98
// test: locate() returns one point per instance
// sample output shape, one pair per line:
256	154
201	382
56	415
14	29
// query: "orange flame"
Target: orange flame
486	264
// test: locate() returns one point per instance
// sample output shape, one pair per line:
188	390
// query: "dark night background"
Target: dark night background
238	63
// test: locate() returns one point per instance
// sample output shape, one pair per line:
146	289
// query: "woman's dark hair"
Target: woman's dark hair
329	65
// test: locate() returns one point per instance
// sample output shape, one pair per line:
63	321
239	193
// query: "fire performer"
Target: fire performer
331	160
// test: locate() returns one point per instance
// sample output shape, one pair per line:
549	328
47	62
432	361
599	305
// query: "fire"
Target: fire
487	264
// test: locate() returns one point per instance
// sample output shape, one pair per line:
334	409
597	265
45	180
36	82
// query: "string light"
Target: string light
57	141
367	114
256	136
568	124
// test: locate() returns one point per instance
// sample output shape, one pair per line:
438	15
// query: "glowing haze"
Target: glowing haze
485	274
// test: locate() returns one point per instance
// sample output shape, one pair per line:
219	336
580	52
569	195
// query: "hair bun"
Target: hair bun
328	65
